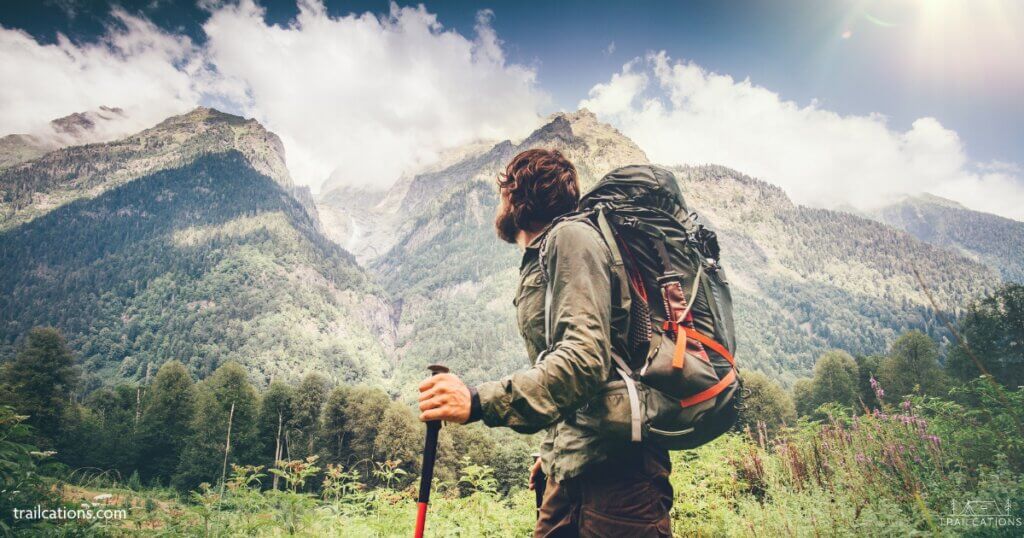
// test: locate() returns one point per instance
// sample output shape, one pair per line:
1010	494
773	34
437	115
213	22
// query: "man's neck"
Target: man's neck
524	238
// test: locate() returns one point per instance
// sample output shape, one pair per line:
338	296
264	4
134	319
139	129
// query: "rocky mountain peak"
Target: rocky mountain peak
593	146
42	183
262	148
80	124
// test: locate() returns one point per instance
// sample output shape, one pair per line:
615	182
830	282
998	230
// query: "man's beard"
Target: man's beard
505	223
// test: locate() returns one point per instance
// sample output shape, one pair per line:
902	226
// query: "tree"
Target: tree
399	437
803	397
994	330
275	416
166	423
113	419
306	408
766	403
335	437
835	379
39	382
203	455
912	366
350	425
867	367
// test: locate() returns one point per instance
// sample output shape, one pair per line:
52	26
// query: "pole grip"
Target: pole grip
429	456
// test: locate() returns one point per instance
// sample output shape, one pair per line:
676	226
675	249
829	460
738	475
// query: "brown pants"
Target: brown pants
630	496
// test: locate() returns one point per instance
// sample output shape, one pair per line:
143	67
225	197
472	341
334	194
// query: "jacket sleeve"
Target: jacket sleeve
578	362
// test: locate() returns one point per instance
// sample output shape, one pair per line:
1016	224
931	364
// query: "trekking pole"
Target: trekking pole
429	455
539	484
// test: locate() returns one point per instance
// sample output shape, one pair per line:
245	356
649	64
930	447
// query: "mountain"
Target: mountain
186	241
995	241
71	130
805	280
189	241
33	188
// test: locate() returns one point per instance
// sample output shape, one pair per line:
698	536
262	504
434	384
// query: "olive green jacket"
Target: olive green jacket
555	391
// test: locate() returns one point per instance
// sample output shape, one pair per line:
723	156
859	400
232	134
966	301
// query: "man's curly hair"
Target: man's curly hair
540	185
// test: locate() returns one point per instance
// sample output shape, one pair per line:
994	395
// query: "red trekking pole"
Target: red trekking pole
429	455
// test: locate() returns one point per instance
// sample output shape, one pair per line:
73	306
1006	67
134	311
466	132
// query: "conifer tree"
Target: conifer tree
994	330
166	423
39	382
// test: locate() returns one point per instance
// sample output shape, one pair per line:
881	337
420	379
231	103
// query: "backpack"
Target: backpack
678	383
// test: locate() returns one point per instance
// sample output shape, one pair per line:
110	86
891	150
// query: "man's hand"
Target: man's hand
444	397
534	471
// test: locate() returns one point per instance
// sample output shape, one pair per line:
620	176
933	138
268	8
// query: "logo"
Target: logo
982	513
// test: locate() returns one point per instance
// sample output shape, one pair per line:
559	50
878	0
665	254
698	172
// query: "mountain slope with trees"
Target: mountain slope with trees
204	261
995	241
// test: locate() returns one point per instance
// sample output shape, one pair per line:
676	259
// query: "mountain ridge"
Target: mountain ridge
192	244
34	187
426	278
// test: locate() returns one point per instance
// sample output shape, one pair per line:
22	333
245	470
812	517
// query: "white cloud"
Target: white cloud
819	157
135	66
364	97
361	97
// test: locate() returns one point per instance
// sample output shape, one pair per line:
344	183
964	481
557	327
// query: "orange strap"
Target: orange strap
711	392
715	346
679	356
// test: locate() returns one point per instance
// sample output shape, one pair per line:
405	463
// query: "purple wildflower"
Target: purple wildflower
877	387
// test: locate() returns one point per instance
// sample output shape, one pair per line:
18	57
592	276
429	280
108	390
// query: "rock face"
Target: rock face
992	240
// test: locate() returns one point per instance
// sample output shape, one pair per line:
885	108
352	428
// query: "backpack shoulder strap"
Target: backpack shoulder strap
619	270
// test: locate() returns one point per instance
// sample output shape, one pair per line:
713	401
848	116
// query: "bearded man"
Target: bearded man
597	485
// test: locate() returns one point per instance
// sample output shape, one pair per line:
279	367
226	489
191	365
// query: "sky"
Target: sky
840	102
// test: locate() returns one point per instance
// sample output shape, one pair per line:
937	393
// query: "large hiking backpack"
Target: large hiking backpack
678	377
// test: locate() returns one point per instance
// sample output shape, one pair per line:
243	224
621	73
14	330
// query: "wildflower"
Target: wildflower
905	405
877	387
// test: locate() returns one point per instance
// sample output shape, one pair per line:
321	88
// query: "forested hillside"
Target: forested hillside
995	241
806	280
204	261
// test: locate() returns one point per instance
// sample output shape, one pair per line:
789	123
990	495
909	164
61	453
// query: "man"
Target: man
597	485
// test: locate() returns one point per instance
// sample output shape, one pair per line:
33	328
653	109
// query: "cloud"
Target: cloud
136	66
681	113
361	98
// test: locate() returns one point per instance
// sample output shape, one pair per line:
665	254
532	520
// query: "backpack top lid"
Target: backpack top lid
654	186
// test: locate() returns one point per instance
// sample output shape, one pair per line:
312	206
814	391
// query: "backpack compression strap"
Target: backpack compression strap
685	333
